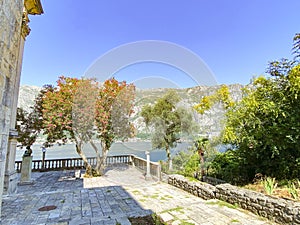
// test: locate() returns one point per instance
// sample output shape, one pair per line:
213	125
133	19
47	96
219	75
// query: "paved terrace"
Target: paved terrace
123	192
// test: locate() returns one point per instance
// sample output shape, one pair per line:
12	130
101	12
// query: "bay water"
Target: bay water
120	148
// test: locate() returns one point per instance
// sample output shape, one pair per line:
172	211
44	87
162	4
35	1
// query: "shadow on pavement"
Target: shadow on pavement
69	202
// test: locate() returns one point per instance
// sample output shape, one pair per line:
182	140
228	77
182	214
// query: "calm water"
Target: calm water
136	148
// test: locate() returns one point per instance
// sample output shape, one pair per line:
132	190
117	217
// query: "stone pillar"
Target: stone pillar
10	179
148	174
26	170
10	176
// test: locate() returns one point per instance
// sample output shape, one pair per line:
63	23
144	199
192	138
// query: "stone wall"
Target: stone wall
276	209
10	36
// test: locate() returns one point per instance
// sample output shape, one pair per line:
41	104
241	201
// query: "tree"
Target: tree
168	121
296	47
30	124
80	111
265	125
113	109
201	144
66	113
26	127
221	95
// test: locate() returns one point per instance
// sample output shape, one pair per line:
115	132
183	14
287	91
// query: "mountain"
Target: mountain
210	122
27	94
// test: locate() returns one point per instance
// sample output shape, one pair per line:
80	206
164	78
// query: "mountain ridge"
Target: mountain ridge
210	122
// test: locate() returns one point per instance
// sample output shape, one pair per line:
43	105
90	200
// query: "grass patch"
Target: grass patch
154	196
168	196
186	223
192	179
222	204
137	192
177	209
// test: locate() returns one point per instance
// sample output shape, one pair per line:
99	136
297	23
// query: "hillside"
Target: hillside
210	122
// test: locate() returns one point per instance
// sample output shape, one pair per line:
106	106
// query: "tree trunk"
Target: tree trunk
169	158
103	159
201	156
88	167
98	165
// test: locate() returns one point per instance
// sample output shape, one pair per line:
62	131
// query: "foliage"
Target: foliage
188	162
228	167
191	167
293	190
113	109
58	115
265	125
269	185
200	145
168	122
78	110
27	131
221	95
57	110
30	124
296	47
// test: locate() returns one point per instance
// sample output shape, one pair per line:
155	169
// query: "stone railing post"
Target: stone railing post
148	175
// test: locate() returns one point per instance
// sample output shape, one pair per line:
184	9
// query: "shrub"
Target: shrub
269	185
293	190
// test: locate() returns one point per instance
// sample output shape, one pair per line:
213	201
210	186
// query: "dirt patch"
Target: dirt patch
146	220
281	192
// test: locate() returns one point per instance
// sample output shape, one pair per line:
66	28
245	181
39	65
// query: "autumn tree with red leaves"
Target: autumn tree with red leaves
80	111
113	109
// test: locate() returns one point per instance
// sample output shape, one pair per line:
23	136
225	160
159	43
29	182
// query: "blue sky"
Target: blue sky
235	39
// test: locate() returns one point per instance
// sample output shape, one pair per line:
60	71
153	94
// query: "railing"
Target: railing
78	163
141	164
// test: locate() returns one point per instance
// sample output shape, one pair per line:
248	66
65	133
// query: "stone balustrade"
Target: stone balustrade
280	210
77	163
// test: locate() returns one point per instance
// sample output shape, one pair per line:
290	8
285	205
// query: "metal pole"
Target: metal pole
43	158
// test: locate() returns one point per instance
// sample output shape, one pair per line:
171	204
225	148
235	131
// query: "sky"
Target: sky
159	43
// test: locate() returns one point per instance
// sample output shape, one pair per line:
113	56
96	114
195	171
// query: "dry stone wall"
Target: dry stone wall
276	209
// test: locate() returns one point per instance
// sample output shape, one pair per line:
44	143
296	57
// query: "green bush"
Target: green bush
228	166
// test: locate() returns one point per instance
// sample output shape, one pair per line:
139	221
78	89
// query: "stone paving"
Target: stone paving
111	199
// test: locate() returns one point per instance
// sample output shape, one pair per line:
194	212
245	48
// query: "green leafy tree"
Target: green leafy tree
296	47
168	122
265	125
221	95
26	127
201	145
